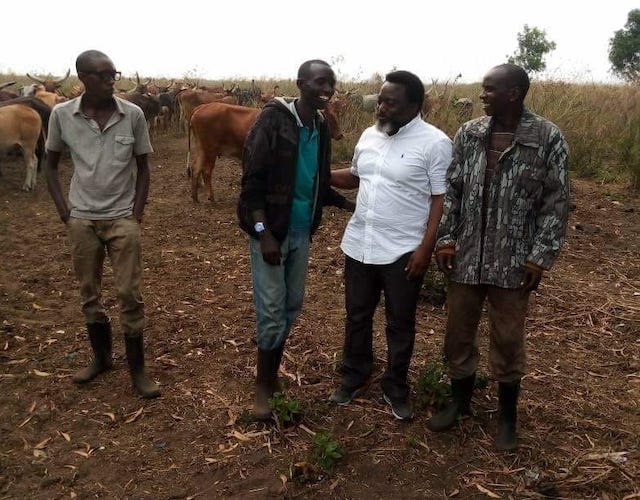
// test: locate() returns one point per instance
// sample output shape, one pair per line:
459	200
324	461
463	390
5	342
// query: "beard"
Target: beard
387	127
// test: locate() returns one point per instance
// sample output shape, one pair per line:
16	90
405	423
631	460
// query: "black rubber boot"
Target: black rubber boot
100	338
134	344
461	392
507	436
266	381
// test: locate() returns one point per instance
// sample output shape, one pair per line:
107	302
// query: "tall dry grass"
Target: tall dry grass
600	122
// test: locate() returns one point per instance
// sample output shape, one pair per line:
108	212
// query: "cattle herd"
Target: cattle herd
218	118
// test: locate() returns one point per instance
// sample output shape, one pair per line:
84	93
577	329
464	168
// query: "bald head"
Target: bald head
514	76
88	60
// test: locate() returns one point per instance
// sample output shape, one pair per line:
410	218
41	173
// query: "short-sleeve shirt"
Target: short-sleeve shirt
103	181
398	175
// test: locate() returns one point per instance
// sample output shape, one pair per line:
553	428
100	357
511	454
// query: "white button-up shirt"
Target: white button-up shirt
398	174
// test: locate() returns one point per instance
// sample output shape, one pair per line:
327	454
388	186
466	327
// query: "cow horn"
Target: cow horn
137	78
147	82
6	84
58	82
32	78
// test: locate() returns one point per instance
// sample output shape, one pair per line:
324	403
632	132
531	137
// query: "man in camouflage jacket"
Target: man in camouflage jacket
505	216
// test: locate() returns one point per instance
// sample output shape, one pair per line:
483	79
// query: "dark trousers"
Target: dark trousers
363	284
507	313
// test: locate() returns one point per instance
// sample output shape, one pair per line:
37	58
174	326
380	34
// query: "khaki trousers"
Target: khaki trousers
507	312
90	241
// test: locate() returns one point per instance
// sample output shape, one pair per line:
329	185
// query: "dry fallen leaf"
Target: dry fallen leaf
42	444
41	374
82	453
487	492
66	436
32	407
17	361
134	416
39	454
111	416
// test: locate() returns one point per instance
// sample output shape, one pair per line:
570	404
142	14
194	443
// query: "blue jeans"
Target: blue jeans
278	291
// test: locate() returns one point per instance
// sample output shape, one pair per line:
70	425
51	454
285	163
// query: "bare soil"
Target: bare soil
579	411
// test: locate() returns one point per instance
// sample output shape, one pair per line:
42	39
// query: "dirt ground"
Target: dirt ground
579	412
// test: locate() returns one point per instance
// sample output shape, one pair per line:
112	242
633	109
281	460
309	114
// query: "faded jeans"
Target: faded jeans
90	241
278	291
507	313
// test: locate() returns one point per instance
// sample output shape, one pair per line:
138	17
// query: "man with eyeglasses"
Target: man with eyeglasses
109	142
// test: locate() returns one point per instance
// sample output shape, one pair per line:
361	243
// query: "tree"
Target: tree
533	46
624	49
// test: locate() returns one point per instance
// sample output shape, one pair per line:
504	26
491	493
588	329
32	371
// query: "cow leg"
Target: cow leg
195	176
207	173
31	163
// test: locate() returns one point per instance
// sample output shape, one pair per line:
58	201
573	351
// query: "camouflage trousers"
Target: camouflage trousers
507	311
91	241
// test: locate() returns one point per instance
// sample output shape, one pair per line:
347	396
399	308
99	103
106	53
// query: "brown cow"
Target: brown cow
189	100
221	129
51	85
20	128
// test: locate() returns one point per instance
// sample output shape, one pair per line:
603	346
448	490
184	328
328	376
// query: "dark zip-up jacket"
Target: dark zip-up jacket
269	171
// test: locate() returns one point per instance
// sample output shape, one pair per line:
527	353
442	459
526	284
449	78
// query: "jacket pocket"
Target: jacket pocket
123	147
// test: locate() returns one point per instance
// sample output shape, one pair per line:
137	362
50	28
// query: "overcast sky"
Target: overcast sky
269	39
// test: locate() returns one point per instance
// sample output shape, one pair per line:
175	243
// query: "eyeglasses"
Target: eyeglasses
105	76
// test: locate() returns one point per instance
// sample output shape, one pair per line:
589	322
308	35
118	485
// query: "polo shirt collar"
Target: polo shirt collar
78	110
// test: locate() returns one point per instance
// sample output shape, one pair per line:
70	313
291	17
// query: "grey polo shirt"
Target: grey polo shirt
103	181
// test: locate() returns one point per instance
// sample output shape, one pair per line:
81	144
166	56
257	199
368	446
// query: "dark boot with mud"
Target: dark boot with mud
134	344
507	436
460	404
266	382
101	340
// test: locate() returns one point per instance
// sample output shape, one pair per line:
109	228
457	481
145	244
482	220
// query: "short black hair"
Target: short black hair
84	61
305	68
516	77
413	86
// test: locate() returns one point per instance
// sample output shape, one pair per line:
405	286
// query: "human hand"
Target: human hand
446	259
531	277
270	248
65	216
418	263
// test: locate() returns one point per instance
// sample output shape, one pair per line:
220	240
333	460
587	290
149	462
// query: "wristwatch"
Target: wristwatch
259	227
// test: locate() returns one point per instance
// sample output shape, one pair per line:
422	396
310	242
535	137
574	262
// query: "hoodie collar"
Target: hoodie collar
290	105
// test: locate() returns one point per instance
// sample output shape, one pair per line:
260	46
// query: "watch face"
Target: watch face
259	227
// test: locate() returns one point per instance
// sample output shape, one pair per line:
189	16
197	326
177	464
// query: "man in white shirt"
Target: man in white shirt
399	166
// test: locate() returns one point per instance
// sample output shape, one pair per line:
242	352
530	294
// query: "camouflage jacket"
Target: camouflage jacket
528	202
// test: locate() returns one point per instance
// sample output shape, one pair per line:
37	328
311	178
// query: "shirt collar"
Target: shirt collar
78	110
406	126
527	131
